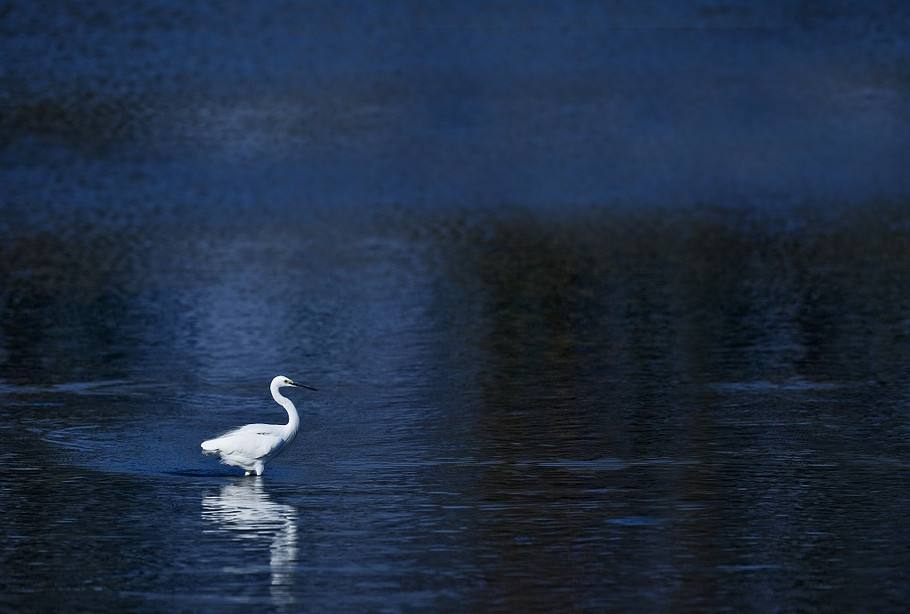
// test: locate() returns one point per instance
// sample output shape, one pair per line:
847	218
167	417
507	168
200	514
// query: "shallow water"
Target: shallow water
515	411
548	378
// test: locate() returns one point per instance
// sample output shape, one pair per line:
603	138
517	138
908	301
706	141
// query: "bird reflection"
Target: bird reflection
245	511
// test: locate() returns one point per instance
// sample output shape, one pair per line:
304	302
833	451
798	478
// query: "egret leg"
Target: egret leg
259	468
247	473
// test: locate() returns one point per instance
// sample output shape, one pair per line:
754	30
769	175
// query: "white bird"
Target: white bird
250	446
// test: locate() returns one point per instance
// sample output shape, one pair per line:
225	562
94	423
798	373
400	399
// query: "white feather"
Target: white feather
250	446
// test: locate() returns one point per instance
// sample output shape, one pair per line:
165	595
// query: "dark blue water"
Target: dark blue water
607	306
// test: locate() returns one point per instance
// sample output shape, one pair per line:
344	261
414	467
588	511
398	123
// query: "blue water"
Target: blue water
607	306
511	413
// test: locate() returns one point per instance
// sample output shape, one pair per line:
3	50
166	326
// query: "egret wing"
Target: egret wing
252	441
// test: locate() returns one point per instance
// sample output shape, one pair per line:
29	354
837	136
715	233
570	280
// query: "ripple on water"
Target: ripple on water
509	418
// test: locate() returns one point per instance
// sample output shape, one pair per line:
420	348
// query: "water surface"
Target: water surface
663	410
607	305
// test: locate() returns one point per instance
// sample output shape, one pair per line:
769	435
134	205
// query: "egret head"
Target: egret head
280	381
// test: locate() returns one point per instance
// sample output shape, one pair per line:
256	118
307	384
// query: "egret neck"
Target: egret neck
293	419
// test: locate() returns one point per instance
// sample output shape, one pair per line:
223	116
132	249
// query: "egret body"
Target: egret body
250	447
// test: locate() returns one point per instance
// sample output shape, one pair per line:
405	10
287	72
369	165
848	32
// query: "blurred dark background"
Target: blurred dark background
440	103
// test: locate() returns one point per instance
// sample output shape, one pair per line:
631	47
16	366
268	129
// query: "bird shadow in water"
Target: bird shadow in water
198	473
244	510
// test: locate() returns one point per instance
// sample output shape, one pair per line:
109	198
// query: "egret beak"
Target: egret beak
302	386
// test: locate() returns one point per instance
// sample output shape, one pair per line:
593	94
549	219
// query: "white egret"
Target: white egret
250	446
